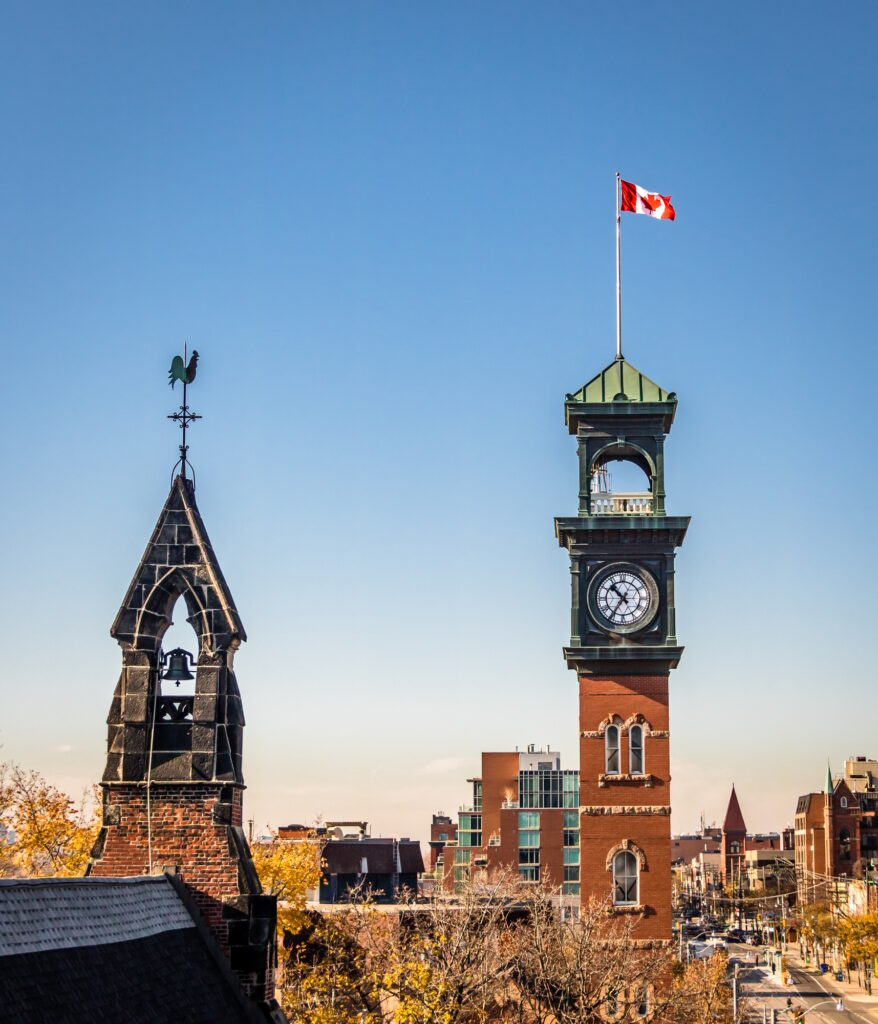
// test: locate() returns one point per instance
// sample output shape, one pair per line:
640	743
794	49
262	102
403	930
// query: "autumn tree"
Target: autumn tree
858	936
496	950
288	869
44	831
702	993
588	967
819	927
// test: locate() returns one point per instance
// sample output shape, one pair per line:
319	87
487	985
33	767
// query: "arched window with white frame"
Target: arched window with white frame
611	747
635	750
625	879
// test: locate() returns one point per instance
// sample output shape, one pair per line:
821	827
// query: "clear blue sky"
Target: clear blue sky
388	229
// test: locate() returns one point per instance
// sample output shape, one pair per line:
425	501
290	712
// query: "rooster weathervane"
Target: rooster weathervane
184	372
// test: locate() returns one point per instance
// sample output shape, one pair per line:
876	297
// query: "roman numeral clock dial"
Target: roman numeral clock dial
624	598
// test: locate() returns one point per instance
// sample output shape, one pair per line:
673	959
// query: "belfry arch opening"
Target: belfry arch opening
179	635
175	694
621	484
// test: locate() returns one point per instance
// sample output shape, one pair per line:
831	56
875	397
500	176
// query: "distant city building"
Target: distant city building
705	861
442	831
737	842
686	847
354	865
827	841
524	816
861	777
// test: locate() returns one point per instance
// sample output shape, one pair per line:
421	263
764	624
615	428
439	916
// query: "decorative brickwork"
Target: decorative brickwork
173	784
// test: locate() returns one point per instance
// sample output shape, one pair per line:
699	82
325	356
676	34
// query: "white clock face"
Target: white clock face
626	599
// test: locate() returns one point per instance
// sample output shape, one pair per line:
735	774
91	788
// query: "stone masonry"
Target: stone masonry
173	784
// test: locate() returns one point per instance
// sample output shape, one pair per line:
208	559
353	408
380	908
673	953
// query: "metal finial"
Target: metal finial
185	372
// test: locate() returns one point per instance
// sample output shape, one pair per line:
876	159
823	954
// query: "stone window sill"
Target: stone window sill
605	780
627	908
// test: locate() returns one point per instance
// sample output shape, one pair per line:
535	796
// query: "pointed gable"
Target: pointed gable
843	796
621	382
734	819
179	559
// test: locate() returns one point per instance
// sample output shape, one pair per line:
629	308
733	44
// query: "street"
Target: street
762	989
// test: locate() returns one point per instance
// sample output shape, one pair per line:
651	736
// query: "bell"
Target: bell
177	662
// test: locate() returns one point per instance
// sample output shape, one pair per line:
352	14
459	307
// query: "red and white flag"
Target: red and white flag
637	200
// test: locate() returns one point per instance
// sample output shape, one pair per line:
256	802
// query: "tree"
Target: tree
44	831
702	993
288	869
498	949
819	927
859	938
589	968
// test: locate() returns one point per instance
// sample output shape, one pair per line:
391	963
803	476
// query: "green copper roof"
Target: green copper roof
830	788
621	382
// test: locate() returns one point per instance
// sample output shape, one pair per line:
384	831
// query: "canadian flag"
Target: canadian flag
637	200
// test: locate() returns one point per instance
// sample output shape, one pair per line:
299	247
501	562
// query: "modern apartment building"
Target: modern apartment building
523	816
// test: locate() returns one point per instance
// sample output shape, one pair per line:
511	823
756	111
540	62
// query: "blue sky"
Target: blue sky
388	229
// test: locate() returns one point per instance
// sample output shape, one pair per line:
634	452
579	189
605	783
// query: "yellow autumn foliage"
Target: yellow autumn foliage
44	831
288	869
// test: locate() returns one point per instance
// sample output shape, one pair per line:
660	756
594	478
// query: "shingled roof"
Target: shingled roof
132	950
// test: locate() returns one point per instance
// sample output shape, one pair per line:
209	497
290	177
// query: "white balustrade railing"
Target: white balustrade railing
632	504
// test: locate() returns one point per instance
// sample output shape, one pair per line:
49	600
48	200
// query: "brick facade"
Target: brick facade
625	810
827	842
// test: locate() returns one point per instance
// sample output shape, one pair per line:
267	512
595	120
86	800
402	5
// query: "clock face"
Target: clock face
625	598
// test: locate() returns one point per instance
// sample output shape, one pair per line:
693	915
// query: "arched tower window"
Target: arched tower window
625	878
844	844
621	483
611	747
635	750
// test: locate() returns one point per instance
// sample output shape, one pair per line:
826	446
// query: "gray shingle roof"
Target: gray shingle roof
111	950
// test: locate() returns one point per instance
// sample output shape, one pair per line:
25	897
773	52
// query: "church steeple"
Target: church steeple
734	819
199	737
174	781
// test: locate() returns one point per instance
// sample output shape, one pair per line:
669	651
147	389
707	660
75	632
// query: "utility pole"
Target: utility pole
735	994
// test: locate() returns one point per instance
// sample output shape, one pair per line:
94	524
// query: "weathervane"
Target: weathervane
180	370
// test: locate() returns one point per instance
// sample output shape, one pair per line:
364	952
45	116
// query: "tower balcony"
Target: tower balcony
625	503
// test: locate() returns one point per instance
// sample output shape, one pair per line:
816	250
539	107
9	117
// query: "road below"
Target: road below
814	992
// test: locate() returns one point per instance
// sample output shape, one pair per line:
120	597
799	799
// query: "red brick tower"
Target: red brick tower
734	842
173	785
623	643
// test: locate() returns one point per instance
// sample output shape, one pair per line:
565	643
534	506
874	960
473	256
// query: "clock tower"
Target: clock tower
623	642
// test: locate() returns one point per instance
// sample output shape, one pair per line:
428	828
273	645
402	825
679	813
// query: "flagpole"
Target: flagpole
618	266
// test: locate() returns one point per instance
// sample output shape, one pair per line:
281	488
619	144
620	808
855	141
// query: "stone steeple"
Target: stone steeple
173	784
199	738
